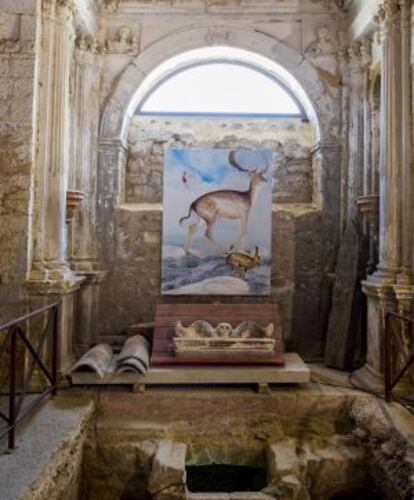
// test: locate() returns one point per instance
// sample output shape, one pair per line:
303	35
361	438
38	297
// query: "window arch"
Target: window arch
218	87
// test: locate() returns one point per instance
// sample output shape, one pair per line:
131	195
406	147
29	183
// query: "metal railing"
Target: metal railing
398	350
15	330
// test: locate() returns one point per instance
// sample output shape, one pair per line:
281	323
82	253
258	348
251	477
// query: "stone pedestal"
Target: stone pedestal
380	297
87	310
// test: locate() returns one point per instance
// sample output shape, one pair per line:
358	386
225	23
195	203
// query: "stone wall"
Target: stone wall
290	141
296	224
17	70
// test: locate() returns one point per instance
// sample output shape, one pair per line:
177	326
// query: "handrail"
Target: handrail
29	315
391	375
15	331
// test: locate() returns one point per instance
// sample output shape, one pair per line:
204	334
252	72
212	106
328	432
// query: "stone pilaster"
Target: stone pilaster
390	148
50	277
49	266
356	128
380	287
405	276
366	60
88	64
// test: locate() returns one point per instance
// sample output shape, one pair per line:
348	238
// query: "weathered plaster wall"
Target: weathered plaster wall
17	69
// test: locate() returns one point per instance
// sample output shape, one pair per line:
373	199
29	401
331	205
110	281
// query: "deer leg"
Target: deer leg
209	234
191	230
244	233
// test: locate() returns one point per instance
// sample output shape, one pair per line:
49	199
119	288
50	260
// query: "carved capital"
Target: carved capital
110	6
88	45
387	17
366	52
405	7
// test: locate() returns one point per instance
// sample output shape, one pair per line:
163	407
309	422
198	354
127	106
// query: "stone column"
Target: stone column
368	203
88	65
356	129
52	159
366	60
50	276
390	161
404	290
83	249
379	286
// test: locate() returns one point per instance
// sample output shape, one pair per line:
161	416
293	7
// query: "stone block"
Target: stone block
21	106
19	6
289	488
9	26
28	27
282	459
22	67
168	470
6	88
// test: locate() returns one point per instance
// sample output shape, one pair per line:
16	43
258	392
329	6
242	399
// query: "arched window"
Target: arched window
221	88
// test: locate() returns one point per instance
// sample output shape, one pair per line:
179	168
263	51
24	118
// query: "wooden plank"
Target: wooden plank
345	320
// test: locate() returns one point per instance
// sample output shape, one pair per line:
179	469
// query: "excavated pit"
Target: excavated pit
202	446
305	443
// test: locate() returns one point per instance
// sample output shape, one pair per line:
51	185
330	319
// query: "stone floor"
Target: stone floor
41	441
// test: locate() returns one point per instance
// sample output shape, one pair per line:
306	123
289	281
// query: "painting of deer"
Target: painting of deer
226	204
216	225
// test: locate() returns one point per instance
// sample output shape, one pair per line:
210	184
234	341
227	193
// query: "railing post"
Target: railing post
12	387
55	335
387	359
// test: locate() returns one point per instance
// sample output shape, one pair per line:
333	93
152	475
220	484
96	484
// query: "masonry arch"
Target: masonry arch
196	44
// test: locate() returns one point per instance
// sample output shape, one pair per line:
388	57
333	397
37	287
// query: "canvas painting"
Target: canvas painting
217	211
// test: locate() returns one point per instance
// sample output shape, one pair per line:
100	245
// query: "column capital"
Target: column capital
387	17
88	50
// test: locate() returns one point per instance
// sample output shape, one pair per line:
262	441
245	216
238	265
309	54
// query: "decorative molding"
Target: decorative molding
366	51
217	36
124	43
110	6
323	44
90	44
73	201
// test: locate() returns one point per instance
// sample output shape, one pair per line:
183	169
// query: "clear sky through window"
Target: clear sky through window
221	88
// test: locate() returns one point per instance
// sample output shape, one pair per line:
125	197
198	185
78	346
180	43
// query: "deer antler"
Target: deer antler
232	161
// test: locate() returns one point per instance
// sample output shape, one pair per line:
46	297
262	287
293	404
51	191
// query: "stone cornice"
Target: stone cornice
247	7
